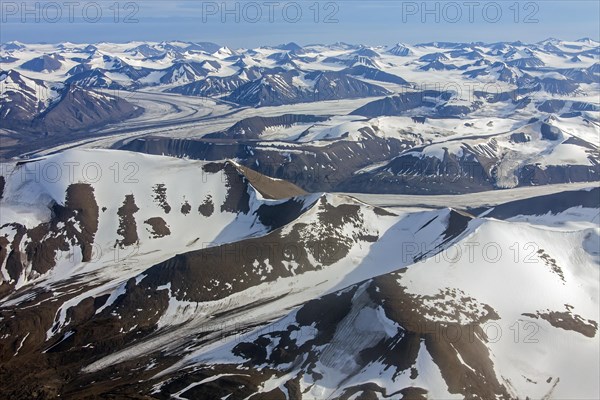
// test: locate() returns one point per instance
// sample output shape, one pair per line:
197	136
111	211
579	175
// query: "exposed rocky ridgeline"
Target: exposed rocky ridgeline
541	205
280	88
314	168
436	103
480	163
374	156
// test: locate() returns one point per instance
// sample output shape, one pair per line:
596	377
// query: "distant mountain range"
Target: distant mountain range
291	73
479	116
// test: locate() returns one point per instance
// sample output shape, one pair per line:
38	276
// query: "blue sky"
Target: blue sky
253	23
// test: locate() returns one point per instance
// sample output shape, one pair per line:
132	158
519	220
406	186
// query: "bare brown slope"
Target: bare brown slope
268	187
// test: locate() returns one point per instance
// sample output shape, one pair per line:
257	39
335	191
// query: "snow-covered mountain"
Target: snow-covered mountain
290	87
21	98
536	153
144	275
44	63
174	64
32	106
